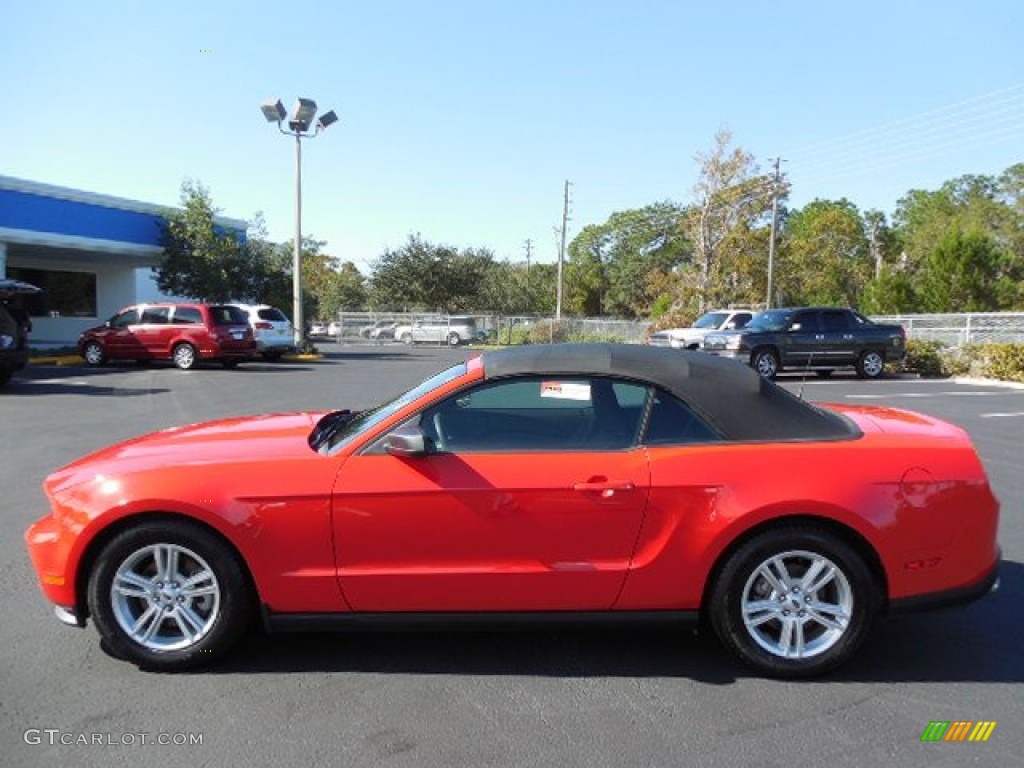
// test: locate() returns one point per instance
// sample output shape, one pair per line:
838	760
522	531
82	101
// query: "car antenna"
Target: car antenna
807	371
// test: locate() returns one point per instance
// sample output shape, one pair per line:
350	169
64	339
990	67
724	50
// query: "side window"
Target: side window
534	413
741	320
673	423
188	316
156	315
808	322
835	320
126	318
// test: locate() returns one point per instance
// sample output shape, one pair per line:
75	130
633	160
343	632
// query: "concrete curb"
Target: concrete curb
988	383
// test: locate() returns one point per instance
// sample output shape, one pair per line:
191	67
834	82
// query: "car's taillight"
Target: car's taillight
264	326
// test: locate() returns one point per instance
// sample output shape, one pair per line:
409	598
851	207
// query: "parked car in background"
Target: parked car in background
184	333
318	328
14	327
692	336
380	329
271	328
453	331
819	339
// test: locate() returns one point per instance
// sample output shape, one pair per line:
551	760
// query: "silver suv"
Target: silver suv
449	330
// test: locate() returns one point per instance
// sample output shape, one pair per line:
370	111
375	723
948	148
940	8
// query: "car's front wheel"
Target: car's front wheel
405	338
94	354
184	356
794	602
765	362
454	339
169	595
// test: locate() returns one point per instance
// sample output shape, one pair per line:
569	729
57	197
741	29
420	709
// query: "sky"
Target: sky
461	121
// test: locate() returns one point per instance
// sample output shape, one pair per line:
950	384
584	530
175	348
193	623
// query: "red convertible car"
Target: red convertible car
579	481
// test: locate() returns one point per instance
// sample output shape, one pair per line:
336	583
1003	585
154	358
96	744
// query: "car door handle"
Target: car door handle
605	488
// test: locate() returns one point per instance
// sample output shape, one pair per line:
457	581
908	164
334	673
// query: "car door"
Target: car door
803	340
839	344
119	338
531	500
153	332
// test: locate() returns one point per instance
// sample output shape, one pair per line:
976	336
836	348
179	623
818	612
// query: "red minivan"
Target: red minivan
181	332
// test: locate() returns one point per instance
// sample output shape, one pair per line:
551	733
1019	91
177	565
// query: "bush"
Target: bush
1000	361
1003	361
925	358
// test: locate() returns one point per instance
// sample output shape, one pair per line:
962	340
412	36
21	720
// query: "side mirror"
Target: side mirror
406	442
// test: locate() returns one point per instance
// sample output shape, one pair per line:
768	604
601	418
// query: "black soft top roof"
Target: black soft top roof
729	395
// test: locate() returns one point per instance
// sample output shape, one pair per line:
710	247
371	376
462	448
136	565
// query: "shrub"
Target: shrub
1004	361
924	358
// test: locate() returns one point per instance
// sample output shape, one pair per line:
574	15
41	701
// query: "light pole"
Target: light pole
300	121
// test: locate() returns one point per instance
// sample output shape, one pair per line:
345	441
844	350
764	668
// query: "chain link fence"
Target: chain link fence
957	330
488	328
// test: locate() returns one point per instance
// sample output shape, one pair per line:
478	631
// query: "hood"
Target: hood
10	288
245	439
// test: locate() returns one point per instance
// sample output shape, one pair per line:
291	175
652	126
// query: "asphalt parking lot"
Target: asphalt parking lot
543	698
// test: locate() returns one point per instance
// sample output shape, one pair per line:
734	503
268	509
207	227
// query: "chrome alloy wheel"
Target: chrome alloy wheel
797	604
165	597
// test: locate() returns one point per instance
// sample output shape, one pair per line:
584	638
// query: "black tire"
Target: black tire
765	362
789	635
217	607
454	339
871	364
405	338
185	356
94	354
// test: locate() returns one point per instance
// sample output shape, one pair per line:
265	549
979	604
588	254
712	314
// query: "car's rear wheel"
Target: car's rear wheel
765	362
454	339
870	365
93	353
405	338
794	602
169	595
184	356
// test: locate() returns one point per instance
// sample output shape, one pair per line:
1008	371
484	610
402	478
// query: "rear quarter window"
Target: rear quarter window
228	315
272	314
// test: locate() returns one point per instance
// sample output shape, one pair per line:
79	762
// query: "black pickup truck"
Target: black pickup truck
820	339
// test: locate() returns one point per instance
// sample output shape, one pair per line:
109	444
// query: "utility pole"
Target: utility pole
771	236
528	247
561	250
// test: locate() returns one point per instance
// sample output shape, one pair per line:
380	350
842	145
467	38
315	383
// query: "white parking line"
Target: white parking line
926	394
1000	415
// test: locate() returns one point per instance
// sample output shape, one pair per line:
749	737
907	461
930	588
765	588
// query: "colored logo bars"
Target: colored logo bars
958	730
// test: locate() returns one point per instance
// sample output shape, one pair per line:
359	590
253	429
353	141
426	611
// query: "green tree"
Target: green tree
825	254
623	267
203	259
727	227
421	275
960	274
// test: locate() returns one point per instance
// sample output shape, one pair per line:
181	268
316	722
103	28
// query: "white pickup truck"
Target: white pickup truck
691	338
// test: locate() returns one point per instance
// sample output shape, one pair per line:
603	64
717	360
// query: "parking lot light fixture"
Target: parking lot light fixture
299	124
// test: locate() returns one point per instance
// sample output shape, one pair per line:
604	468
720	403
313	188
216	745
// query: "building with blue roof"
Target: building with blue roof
91	253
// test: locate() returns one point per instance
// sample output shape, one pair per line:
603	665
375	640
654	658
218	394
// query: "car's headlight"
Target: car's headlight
734	341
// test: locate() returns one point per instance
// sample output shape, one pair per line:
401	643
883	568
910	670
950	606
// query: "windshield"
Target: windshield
771	320
366	420
710	320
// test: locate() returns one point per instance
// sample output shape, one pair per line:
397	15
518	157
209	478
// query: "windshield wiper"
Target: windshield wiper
328	426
